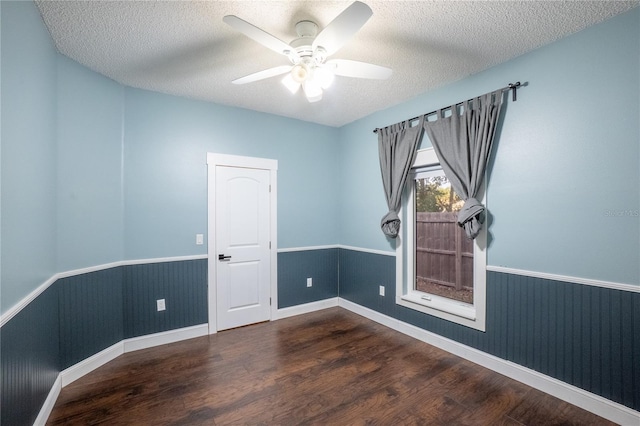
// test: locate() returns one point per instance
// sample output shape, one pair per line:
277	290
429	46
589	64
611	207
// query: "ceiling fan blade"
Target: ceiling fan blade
255	33
343	27
261	75
357	69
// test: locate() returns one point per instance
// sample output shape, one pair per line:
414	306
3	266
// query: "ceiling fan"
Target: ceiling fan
308	53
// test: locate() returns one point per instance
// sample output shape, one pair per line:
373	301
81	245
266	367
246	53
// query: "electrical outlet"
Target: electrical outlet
381	290
199	239
309	282
160	304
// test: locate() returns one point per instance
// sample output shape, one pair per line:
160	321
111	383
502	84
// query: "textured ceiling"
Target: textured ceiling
184	48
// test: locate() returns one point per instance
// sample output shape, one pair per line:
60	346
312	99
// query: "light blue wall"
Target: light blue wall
93	172
89	187
567	155
567	158
28	152
166	143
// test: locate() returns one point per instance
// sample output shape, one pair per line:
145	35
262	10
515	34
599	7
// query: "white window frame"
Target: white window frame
473	316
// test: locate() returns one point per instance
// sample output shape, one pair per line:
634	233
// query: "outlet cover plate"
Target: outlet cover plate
160	304
381	290
309	282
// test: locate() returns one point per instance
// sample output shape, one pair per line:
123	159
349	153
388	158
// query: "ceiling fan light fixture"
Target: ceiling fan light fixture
292	85
308	54
299	73
324	76
312	90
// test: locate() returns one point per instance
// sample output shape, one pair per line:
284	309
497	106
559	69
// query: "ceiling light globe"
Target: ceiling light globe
290	84
299	73
312	90
324	76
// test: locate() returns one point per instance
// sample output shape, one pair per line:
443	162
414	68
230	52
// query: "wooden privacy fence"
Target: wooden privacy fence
444	255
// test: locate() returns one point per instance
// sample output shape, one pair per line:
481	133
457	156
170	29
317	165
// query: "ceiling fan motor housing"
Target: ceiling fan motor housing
303	45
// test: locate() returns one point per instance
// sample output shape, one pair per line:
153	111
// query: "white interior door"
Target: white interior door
242	241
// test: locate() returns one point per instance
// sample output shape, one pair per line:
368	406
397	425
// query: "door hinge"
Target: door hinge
269	188
269	301
269	245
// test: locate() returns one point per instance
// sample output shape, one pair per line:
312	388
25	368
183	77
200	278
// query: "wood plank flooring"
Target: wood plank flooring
330	367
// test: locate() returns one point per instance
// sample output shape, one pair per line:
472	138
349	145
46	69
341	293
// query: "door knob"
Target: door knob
223	257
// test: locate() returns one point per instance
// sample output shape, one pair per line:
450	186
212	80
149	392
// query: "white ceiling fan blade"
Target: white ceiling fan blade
261	75
343	27
255	33
357	69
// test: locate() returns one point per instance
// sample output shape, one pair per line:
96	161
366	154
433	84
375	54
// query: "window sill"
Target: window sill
457	312
460	309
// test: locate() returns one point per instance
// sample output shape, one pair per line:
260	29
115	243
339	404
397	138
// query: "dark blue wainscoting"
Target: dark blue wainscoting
183	285
295	267
90	314
78	316
362	274
30	359
583	335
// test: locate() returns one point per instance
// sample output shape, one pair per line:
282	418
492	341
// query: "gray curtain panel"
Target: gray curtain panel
462	143
397	147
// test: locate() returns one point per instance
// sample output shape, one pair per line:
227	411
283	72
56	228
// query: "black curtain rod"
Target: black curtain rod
512	86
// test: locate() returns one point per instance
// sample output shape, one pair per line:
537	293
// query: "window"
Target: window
440	271
443	255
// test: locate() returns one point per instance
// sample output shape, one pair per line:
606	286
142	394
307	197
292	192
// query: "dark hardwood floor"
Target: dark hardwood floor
330	367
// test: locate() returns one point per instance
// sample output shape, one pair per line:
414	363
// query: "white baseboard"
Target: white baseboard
306	308
49	403
588	401
171	336
86	366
